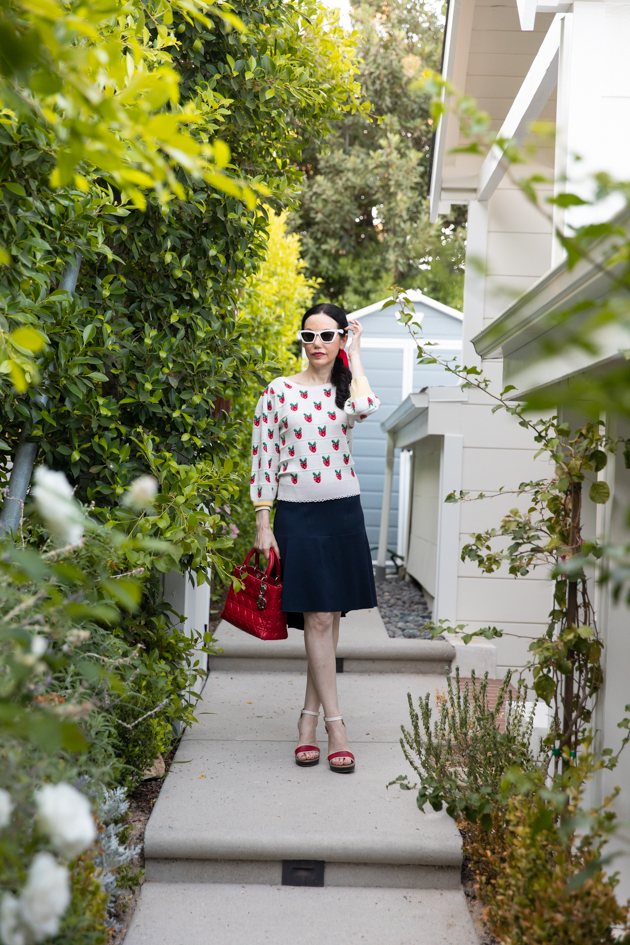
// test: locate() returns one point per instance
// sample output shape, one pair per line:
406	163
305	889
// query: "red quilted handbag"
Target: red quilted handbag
257	607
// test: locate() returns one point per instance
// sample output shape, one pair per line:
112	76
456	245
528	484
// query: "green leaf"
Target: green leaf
28	338
125	591
544	821
567	200
30	563
73	738
545	687
599	459
68	572
599	492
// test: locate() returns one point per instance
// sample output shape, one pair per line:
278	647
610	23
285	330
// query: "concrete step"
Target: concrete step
224	914
235	806
364	647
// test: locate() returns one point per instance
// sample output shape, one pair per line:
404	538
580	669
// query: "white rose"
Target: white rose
76	637
142	492
55	503
6	806
11	931
39	645
65	815
45	897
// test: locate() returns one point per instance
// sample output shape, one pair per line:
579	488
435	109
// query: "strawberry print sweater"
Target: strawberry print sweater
302	442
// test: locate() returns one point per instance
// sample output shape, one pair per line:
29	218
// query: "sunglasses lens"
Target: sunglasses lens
328	336
308	337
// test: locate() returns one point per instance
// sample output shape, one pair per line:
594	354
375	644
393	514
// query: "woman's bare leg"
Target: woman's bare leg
312	700
307	724
321	636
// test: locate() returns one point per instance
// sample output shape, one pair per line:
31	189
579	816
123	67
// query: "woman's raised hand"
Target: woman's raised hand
354	349
357	330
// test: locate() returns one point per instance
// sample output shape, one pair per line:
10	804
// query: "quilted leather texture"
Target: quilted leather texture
241	607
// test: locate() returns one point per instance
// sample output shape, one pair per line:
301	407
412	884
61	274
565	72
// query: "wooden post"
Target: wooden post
568	720
385	508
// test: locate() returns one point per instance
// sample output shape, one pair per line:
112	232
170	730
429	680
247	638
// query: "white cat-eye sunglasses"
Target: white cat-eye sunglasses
327	336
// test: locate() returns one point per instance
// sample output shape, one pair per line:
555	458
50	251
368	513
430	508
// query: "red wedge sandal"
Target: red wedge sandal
342	769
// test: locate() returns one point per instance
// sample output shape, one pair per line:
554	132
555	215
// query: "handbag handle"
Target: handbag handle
274	562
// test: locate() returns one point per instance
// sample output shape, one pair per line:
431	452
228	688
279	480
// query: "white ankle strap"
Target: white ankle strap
308	712
335	718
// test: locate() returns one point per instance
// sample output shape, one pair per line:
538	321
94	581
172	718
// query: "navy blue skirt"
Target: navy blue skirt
325	557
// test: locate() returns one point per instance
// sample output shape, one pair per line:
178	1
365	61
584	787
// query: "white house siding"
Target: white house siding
509	248
597	34
384	370
423	538
389	358
497	451
487	55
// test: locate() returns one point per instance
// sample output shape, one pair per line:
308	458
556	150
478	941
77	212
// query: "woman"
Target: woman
302	454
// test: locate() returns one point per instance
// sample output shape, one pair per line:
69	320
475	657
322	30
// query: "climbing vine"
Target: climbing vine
565	663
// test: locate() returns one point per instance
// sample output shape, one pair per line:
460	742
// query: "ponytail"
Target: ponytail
341	376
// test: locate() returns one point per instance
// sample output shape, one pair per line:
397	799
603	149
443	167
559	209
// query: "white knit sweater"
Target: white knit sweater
302	442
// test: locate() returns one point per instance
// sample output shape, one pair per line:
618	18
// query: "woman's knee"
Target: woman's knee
319	623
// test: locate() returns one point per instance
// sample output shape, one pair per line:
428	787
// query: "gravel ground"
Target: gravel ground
403	608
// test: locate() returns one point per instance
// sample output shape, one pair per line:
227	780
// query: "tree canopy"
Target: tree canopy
363	217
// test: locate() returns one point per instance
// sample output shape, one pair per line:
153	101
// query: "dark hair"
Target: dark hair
341	376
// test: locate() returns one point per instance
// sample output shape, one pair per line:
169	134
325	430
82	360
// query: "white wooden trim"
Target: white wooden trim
404	467
537	86
451	28
561	156
407	371
404	482
407	344
475	281
527	10
385	508
414	295
400	343
448	528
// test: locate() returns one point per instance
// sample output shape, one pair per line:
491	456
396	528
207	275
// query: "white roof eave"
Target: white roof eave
416	404
414	295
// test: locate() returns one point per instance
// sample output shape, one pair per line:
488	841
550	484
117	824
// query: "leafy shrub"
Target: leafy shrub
461	759
66	657
66	683
541	881
536	853
115	855
85	922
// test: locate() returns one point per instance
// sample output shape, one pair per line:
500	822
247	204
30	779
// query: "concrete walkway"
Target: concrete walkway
238	826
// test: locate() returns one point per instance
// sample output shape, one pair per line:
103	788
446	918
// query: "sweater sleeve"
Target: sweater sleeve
362	402
263	482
